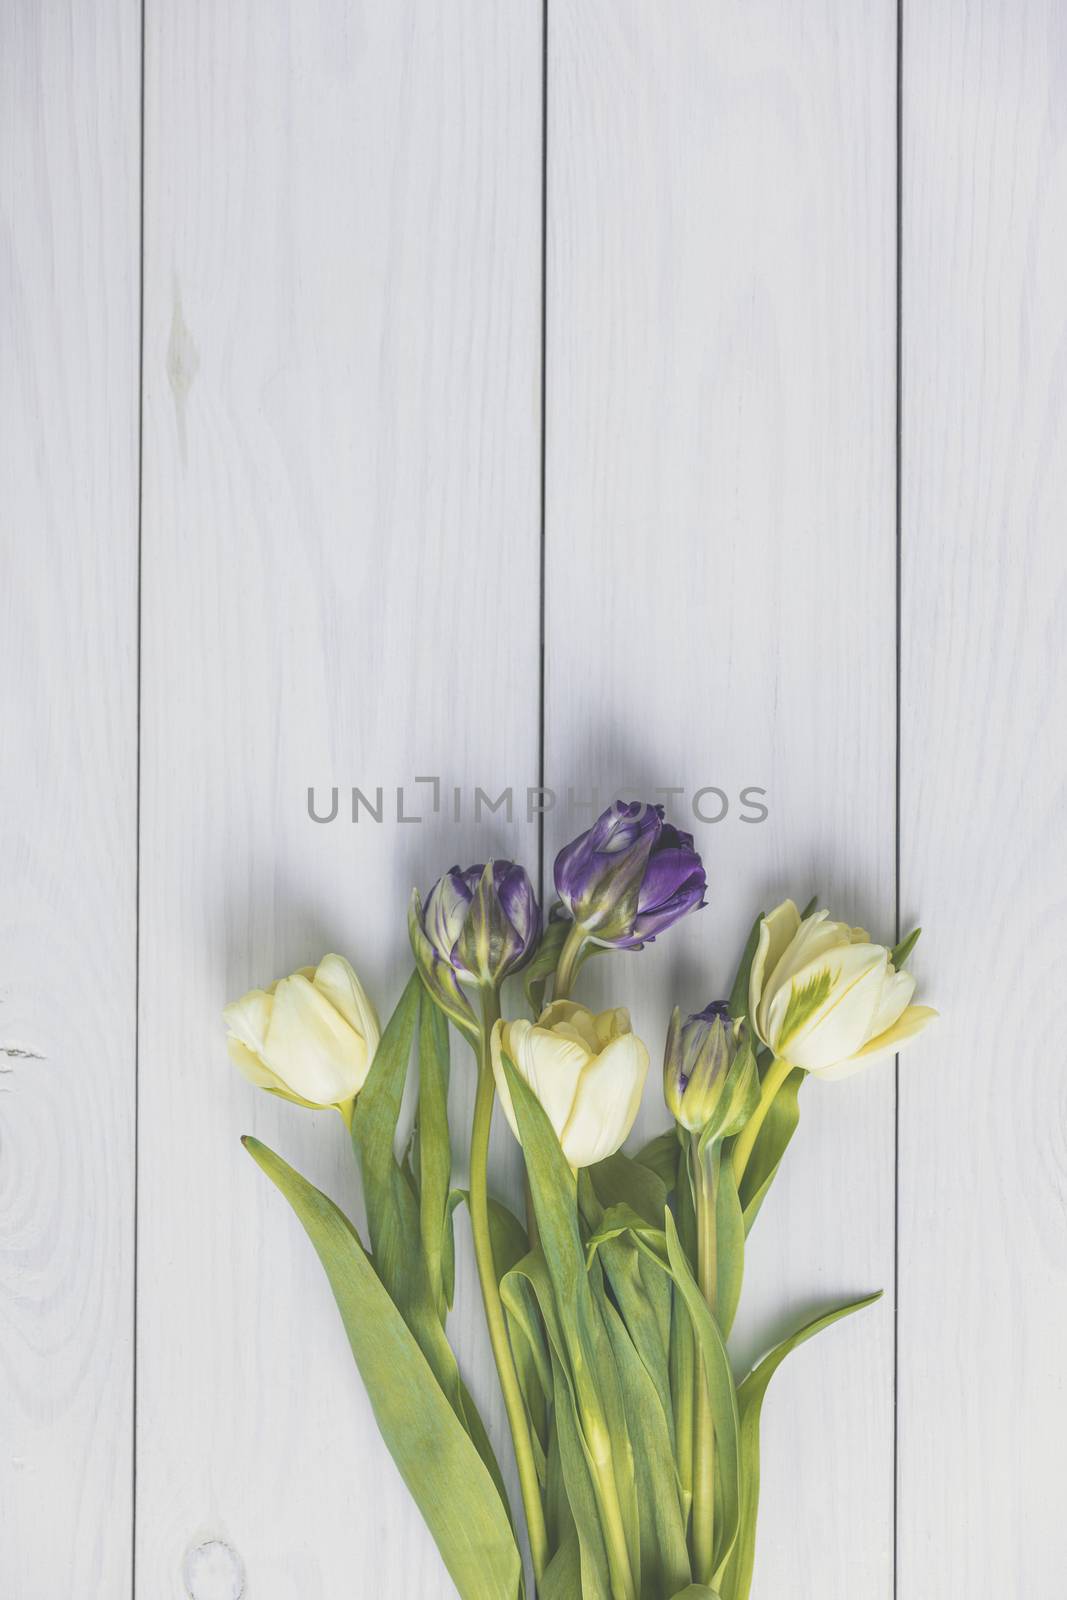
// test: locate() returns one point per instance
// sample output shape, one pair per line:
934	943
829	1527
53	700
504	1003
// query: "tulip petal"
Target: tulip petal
498	1044
897	991
445	911
552	1066
908	1026
249	1018
569	1014
248	1063
606	1102
840	1023
609	1025
776	930
311	1047
815	938
335	979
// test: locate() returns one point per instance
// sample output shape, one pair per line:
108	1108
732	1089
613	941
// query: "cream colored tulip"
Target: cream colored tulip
824	998
587	1069
310	1037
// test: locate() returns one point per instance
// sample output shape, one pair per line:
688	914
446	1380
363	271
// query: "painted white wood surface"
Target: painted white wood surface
342	240
983	1156
69	263
69	266
720	598
341	557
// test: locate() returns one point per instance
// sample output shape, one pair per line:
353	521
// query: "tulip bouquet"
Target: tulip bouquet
609	1304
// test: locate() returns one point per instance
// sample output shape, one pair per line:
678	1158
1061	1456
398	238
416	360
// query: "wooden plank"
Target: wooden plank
341	579
69	266
720	598
983	1258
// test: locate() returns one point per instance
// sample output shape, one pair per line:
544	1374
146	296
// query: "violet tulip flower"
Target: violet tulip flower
477	926
630	876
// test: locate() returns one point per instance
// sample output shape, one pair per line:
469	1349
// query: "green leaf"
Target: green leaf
568	1441
683	1339
394	1220
563	1576
660	1155
595	1580
448	1255
730	1246
721	1389
641	1293
770	1146
903	950
647	1403
526	1333
621	1220
683	1384
697	1591
739	992
750	1396
374	1126
634	1183
589	1362
436	1457
435	1156
553	1188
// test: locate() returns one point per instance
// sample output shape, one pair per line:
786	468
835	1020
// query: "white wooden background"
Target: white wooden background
402	388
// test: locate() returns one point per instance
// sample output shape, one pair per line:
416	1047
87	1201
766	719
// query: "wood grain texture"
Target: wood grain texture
342	367
983	1156
720	599
69	262
340	587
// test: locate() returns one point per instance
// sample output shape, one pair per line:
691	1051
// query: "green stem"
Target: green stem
514	1405
569	961
683	1388
773	1078
705	1184
612	1527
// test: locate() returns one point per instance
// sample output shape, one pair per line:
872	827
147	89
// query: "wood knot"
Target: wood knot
212	1571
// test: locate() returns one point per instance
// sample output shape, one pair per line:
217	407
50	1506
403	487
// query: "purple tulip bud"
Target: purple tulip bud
710	1081
697	1058
482	923
629	876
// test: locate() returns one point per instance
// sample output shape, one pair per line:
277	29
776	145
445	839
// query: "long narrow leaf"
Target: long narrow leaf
619	1180
720	1388
394	1221
563	1575
444	1472
739	992
589	1359
435	1155
738	1578
730	1249
770	1146
664	1553
595	1582
660	1155
568	1438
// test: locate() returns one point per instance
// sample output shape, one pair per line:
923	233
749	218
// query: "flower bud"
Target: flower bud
629	876
477	926
588	1071
696	1062
310	1037
824	998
